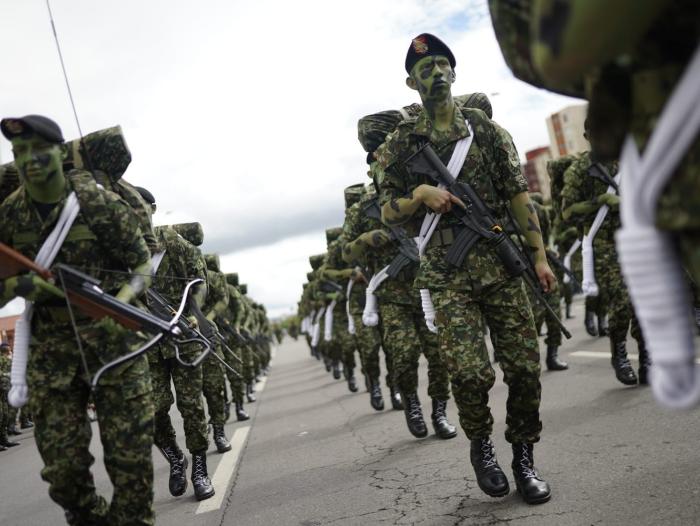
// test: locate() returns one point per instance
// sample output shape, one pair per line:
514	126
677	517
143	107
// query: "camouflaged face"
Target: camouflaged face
192	232
333	233
232	278
353	194
106	149
309	277
212	261
317	260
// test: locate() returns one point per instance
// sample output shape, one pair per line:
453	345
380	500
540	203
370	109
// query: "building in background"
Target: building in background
535	171
565	129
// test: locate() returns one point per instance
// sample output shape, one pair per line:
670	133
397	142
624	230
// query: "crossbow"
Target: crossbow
84	292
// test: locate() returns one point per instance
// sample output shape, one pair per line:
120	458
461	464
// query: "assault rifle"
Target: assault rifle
552	257
408	251
478	223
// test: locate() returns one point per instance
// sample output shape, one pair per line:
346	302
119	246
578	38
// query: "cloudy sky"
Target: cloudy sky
242	115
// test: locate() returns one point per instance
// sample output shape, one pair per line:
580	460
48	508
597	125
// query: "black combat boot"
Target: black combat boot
3	448
489	475
249	393
200	478
443	429
553	361
6	443
569	316
603	326
222	443
327	362
350	377
26	424
241	415
623	368
337	369
178	469
227	411
533	489
375	396
414	415
644	364
589	323
396	402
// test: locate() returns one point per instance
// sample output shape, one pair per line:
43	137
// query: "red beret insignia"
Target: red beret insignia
420	45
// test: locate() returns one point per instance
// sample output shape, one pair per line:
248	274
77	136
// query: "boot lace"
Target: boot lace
198	471
526	464
414	412
488	454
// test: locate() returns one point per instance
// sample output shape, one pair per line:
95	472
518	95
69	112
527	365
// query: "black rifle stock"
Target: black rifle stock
478	222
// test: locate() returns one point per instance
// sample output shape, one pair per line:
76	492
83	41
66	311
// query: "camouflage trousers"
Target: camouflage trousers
214	388
236	382
506	310
62	433
342	346
613	293
188	388
248	363
544	317
4	414
369	342
404	337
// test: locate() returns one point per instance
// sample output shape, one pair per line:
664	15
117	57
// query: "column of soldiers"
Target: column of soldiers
111	238
387	283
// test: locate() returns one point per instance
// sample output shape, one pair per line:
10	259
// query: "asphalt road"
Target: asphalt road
315	454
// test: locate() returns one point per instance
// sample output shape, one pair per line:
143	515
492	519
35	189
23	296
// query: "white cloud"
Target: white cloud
242	115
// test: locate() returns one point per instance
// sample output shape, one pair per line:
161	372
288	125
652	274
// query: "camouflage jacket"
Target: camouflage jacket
105	236
492	168
580	187
216	291
5	367
181	263
397	290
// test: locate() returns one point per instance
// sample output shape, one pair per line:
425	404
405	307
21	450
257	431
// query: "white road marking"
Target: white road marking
593	354
225	471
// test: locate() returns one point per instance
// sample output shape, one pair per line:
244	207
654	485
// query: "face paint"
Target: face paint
40	167
433	77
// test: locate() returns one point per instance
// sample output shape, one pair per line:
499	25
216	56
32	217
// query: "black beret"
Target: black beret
427	45
147	196
21	126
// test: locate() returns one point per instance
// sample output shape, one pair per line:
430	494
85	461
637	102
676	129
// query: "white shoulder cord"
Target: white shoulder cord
328	322
351	322
431	220
567	259
316	327
19	392
648	257
370	314
589	285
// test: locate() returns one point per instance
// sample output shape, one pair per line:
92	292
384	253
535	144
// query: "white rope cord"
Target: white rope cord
351	322
567	259
589	285
370	314
648	257
19	392
328	321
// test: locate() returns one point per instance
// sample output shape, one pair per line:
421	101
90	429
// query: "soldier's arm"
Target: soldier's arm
217	292
579	51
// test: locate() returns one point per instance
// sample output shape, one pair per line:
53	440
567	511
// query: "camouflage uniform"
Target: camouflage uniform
213	376
182	262
104	236
480	289
5	367
369	338
580	186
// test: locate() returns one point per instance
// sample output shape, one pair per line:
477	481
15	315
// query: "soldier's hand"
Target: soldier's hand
31	287
358	276
546	277
436	199
611	200
376	238
192	321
